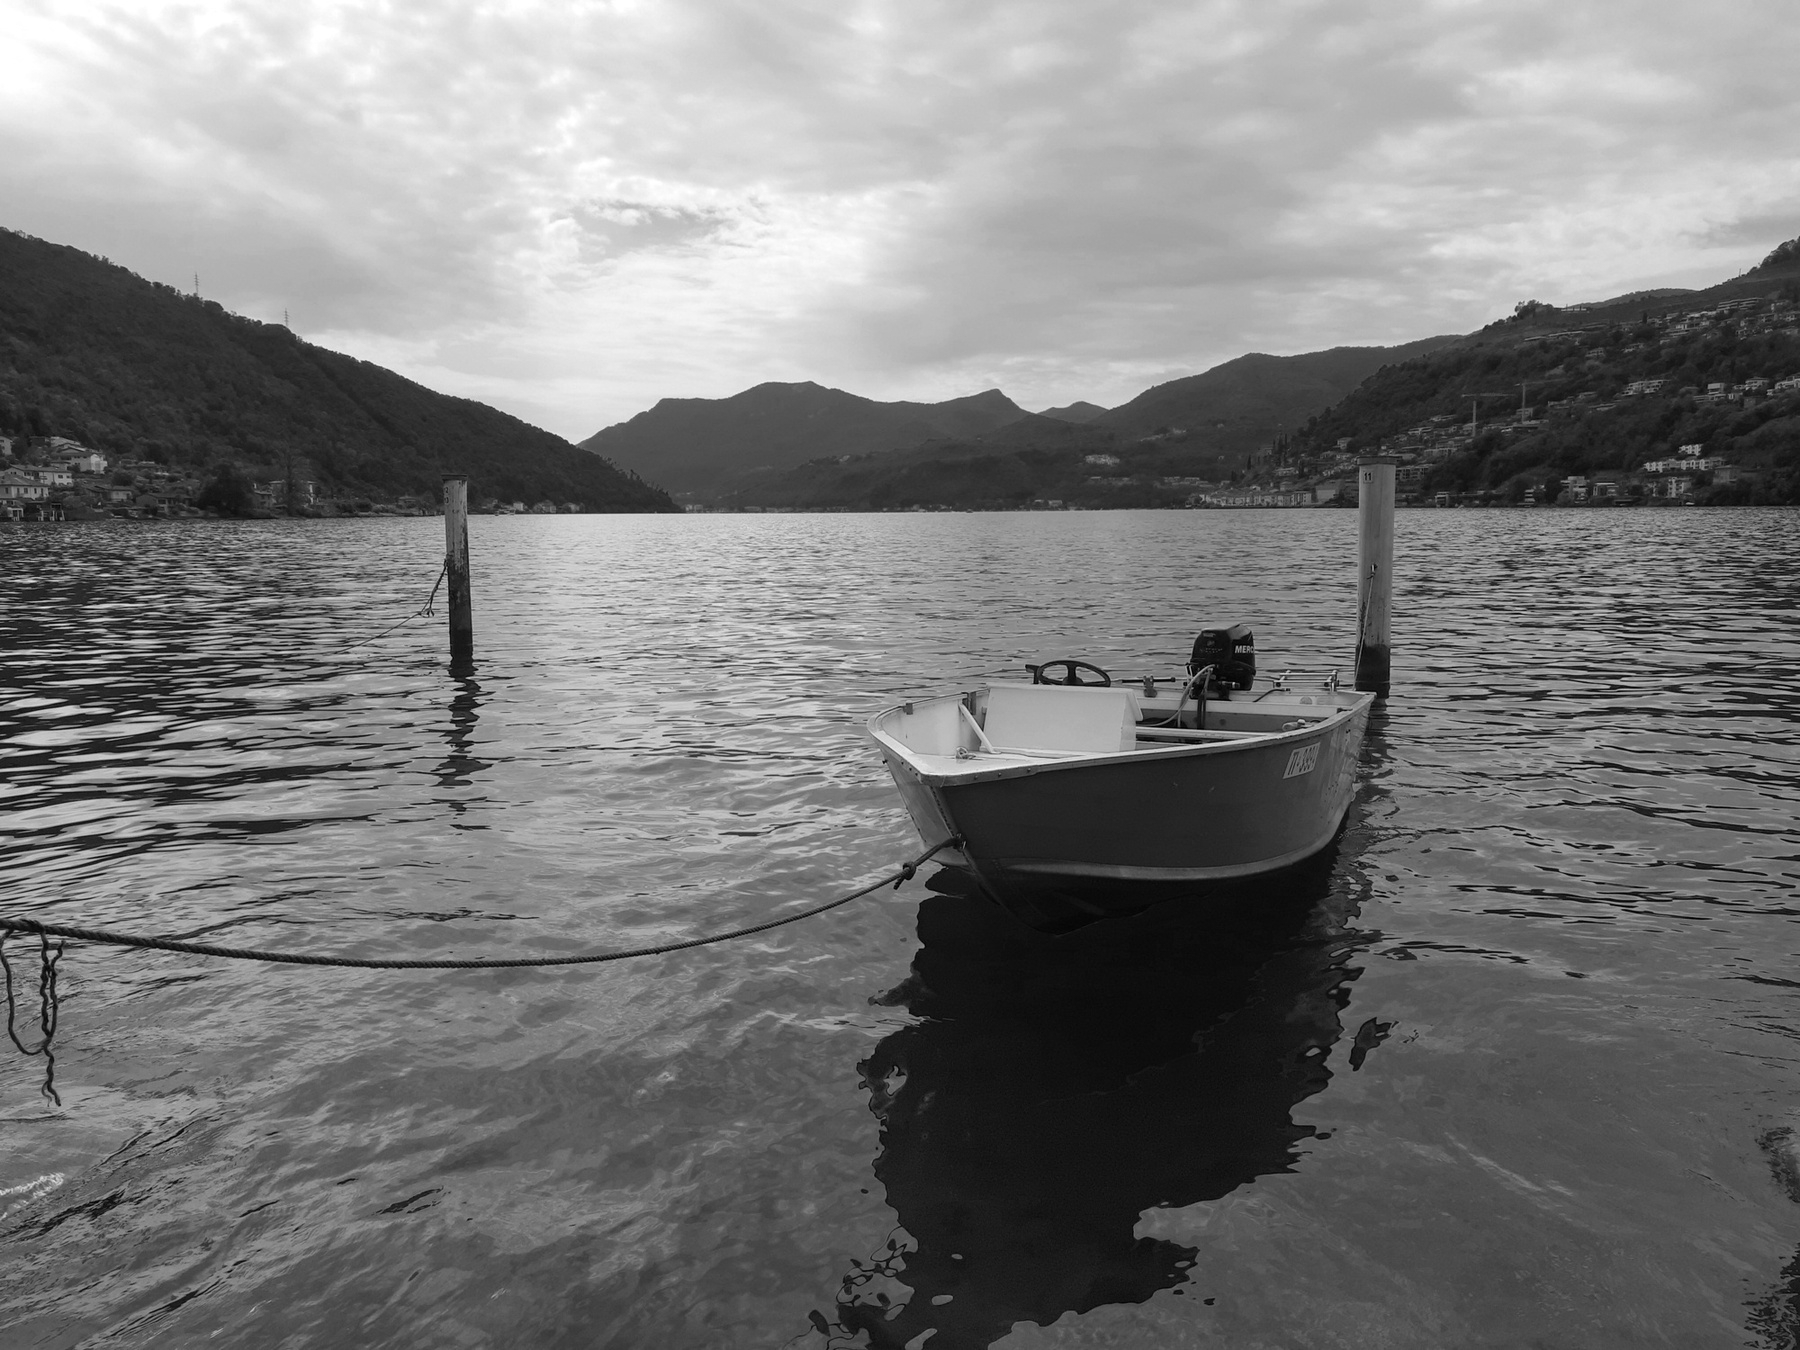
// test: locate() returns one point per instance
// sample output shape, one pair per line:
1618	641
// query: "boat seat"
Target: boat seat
1059	717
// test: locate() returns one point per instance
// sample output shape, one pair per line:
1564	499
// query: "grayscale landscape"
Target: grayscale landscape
682	675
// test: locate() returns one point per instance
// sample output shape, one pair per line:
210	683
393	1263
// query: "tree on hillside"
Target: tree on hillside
1784	253
228	492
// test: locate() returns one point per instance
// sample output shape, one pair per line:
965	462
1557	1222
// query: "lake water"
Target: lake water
1569	883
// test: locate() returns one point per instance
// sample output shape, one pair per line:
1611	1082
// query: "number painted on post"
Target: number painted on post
1303	760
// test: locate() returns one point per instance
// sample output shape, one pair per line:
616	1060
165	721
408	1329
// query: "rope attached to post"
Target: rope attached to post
424	612
47	975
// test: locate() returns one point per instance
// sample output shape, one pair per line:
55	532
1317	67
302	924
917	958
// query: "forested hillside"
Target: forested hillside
1552	394
137	370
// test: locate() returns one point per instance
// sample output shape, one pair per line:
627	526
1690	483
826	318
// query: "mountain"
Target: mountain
697	446
1609	385
1078	411
137	370
1033	458
1238	405
1781	261
1156	450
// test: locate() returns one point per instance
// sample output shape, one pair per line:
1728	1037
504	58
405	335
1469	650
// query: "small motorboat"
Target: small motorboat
1071	792
1073	795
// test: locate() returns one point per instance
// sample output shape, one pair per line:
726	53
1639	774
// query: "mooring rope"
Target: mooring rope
49	956
47	1009
899	877
424	612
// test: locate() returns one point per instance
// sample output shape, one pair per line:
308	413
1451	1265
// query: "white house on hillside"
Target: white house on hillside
16	489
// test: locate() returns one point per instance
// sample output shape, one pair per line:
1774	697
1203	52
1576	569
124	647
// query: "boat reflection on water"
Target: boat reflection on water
1058	1087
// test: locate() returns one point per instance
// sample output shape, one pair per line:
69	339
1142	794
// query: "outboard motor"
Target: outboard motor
1230	651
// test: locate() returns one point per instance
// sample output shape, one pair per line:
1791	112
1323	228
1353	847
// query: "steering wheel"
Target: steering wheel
1071	674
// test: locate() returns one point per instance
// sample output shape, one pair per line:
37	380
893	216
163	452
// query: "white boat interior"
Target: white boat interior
1003	728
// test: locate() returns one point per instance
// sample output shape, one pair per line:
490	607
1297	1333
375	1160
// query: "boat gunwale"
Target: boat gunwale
1361	700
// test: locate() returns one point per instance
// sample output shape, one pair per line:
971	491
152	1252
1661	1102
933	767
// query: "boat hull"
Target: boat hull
1138	826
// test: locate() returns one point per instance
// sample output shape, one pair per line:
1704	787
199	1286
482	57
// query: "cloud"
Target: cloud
572	209
612	228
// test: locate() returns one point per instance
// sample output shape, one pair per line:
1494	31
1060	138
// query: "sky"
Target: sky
572	209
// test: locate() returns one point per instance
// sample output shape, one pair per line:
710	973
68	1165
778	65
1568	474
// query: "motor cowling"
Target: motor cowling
1230	651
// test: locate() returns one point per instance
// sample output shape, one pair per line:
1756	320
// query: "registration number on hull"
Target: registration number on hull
1303	760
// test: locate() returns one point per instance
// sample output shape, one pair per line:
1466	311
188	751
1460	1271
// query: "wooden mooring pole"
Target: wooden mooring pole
1375	572
456	571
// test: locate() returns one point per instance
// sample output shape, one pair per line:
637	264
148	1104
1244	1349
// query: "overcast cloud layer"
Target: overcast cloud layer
571	210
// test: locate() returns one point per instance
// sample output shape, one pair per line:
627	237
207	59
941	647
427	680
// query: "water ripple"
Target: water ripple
1575	851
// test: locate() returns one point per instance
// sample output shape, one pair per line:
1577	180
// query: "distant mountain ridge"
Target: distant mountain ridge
804	447
1244	401
1156	450
1079	411
696	445
138	370
777	444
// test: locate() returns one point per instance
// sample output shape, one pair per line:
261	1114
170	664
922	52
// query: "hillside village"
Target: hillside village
1599	414
56	478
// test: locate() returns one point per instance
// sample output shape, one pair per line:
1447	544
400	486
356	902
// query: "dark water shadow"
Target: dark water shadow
1773	1316
1058	1087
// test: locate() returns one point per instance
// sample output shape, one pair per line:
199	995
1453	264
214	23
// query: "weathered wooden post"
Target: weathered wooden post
1375	572
456	570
